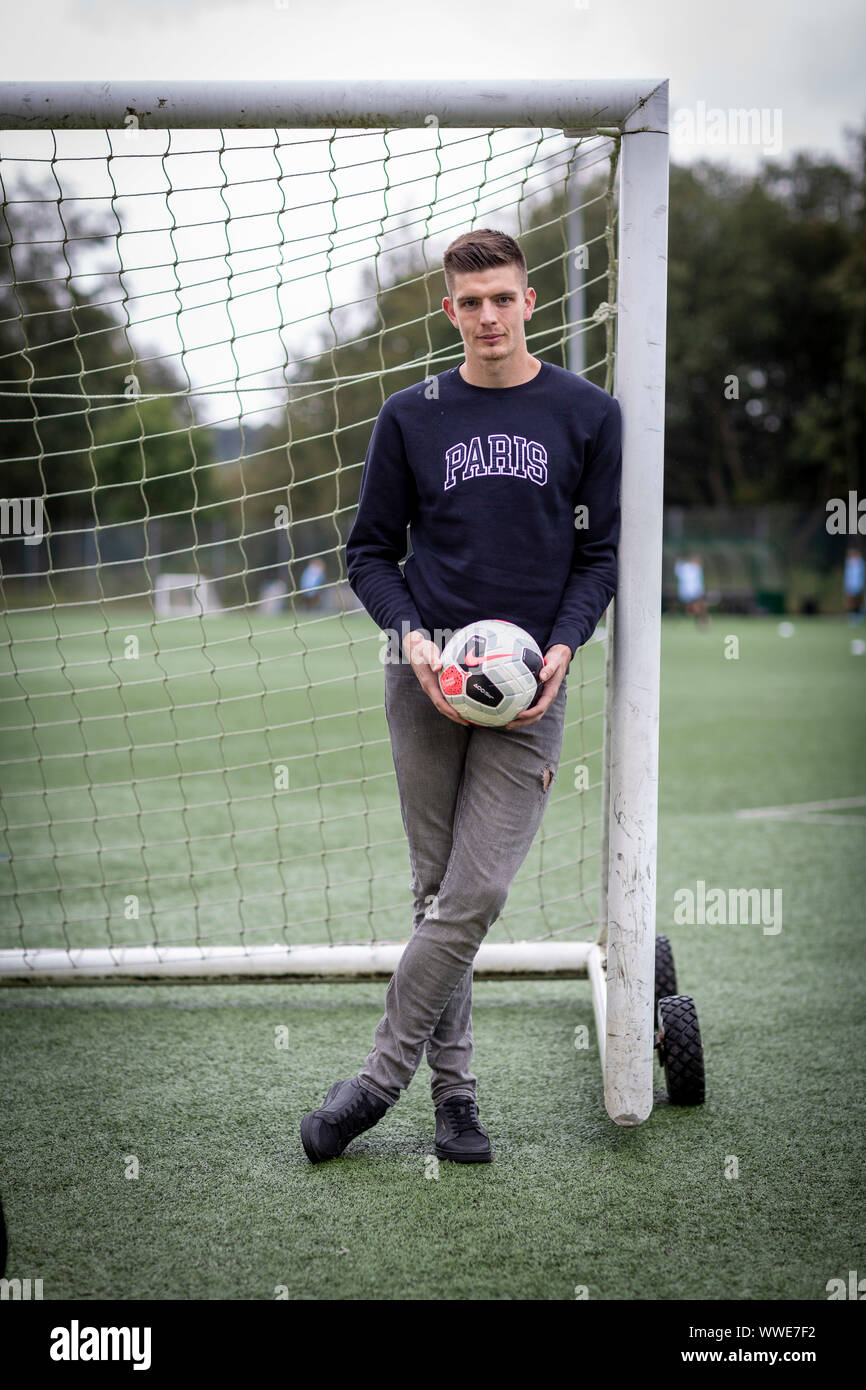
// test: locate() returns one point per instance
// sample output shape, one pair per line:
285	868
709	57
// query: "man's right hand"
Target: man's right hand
426	660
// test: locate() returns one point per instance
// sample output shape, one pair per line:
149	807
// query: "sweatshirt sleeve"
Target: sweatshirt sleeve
592	581
377	540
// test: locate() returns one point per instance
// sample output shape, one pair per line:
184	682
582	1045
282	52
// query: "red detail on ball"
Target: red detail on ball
451	680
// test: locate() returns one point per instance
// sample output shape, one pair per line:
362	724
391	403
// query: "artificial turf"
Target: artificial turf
201	1086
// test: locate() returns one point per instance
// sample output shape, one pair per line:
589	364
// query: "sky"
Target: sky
800	65
803	60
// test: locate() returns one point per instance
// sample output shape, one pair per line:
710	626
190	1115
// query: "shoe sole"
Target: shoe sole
464	1158
306	1139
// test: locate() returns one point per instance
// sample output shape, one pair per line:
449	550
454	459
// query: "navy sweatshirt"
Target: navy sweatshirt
490	482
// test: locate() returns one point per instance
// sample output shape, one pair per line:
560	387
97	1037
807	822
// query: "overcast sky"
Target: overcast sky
800	63
801	59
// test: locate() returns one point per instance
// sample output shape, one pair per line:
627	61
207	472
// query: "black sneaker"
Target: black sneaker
347	1111
459	1133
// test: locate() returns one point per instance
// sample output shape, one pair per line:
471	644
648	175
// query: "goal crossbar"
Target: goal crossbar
579	107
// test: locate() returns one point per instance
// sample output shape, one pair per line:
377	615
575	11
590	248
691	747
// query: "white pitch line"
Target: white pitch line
809	812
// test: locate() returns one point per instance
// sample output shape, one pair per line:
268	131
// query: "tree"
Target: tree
765	333
96	461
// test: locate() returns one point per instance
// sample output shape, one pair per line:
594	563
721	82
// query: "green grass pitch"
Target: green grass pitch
190	1081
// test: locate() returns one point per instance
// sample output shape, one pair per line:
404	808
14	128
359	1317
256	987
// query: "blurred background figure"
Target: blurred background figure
854	583
690	588
311	584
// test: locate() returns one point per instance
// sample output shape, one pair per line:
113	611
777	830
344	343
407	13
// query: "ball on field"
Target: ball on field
490	671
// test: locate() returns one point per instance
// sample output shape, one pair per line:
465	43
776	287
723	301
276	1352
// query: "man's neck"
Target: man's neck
500	374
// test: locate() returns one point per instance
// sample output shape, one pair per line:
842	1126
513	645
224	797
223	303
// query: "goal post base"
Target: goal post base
279	964
523	960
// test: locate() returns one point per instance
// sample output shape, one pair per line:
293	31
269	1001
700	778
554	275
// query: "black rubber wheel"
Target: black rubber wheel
680	1050
666	975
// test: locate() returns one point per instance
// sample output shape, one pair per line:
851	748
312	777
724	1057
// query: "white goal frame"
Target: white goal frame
620	965
200	596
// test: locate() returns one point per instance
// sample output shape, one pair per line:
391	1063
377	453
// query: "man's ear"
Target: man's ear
448	308
528	308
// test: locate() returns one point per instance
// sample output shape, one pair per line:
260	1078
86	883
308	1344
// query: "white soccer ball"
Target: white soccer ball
490	671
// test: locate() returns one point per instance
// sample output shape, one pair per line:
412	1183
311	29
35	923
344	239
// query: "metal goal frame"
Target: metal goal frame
620	964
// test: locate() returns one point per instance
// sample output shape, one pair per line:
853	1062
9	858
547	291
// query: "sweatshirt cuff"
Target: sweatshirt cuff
567	635
407	620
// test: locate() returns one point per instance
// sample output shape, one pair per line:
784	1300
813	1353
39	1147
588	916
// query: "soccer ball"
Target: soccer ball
490	671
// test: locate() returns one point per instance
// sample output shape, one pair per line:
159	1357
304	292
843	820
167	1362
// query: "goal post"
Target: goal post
179	448
633	718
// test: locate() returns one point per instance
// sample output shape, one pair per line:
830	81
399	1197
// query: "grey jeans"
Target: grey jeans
471	801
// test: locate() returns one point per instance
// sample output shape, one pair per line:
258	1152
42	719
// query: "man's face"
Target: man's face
489	308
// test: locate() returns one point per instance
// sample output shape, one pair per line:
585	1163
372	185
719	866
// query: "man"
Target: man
854	583
690	588
506	470
311	583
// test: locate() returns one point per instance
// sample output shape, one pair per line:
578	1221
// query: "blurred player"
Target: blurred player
854	582
311	584
690	588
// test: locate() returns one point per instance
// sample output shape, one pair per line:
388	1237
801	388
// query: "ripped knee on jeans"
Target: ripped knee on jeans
546	778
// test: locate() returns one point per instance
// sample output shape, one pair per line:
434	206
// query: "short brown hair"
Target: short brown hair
482	250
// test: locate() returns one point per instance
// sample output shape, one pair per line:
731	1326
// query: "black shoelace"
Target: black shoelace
346	1117
462	1113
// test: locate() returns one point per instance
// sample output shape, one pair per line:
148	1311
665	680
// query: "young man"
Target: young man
506	469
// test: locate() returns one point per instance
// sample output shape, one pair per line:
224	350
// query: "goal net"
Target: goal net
204	303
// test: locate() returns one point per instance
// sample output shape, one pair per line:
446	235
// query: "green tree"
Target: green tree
97	461
765	333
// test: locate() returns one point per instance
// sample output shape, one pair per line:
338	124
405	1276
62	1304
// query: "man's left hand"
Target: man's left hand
556	662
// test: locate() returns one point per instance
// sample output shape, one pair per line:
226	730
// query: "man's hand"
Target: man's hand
556	661
426	660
